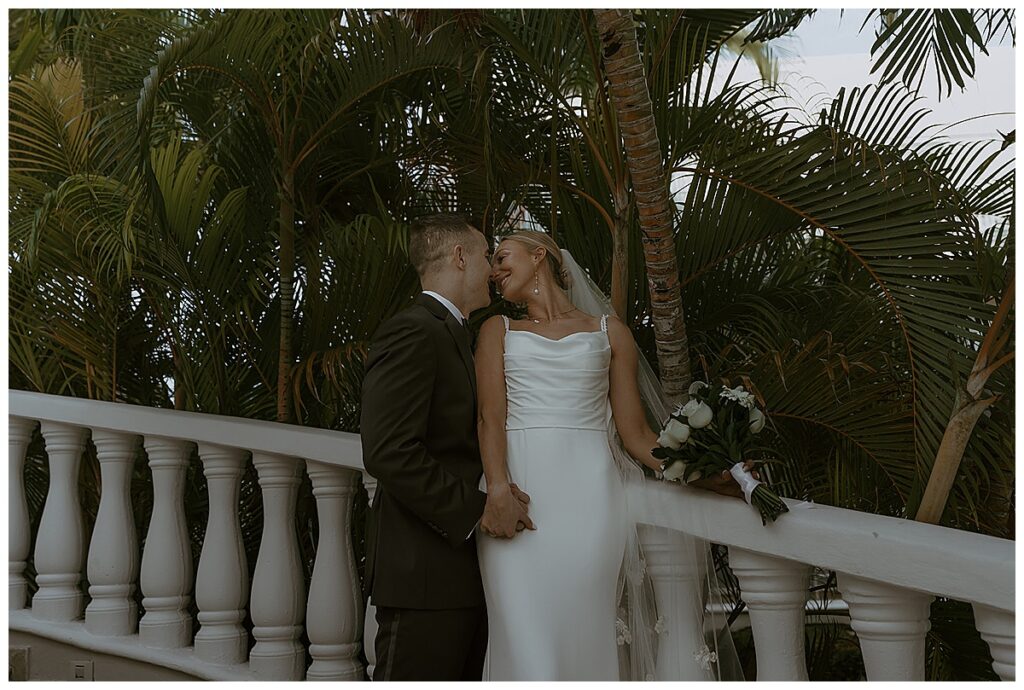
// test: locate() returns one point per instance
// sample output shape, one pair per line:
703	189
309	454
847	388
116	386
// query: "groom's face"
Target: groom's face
477	254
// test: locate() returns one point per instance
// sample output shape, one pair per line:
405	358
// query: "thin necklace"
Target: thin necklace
553	317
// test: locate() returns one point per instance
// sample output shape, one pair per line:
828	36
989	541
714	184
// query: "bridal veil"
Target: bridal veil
639	627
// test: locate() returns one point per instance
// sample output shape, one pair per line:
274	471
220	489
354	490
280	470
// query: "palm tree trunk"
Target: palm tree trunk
632	101
286	260
967	410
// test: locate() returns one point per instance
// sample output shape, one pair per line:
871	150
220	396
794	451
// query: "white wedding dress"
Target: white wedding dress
551	593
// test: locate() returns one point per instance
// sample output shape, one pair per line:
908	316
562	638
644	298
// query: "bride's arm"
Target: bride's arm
503	510
491	402
637	437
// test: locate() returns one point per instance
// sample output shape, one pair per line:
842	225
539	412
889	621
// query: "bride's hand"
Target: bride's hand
724	483
524	500
520	495
503	511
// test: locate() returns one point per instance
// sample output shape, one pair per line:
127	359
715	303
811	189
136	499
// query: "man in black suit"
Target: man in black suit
419	438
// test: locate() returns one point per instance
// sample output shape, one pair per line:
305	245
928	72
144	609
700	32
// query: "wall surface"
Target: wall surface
52	660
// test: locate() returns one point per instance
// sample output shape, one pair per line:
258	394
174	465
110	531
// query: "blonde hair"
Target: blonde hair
533	238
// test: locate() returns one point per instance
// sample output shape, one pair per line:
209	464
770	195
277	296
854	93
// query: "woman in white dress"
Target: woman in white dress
549	387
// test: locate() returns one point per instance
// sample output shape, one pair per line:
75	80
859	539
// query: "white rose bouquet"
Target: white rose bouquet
716	431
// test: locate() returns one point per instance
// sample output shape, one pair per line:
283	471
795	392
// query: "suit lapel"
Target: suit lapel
458	332
461	336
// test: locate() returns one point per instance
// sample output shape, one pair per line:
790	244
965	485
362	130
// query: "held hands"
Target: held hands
724	483
505	512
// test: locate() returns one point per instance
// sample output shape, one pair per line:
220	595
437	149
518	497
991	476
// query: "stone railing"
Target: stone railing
888	570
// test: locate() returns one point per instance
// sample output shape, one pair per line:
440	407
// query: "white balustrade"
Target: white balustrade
775	592
677	574
222	581
334	613
997	629
278	593
891	624
19	435
113	550
60	543
167	559
909	557
889	570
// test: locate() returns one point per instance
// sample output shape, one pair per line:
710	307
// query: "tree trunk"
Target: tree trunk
286	261
627	85
967	409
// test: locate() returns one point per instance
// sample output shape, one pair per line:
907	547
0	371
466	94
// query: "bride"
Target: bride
560	410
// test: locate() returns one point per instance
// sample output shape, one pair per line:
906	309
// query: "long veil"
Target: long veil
639	626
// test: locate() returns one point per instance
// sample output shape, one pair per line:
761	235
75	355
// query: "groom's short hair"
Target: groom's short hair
432	238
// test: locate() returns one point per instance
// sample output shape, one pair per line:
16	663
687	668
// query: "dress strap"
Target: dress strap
505	319
604	323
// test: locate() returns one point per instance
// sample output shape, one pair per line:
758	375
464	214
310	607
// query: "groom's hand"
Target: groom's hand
503	511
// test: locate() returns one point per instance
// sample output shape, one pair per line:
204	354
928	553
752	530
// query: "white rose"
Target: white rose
696	386
674	434
756	420
674	471
701	417
692	477
689	408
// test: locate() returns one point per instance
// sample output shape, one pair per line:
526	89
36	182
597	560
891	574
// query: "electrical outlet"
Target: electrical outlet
17	667
81	670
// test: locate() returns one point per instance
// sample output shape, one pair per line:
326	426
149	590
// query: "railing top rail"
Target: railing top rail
322	445
947	562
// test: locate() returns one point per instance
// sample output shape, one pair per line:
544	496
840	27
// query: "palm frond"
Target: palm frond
907	40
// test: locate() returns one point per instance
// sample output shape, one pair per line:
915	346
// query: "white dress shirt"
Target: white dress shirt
446	302
461	319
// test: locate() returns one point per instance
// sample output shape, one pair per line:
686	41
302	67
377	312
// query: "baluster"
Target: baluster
113	551
997	629
167	557
370	619
19	435
222	582
775	592
278	595
891	623
59	544
677	575
334	611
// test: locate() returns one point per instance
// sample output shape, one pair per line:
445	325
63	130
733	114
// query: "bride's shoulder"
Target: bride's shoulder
492	325
618	332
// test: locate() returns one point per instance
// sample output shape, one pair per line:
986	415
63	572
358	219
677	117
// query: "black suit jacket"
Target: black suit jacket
419	438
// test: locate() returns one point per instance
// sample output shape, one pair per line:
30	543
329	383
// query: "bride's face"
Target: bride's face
512	269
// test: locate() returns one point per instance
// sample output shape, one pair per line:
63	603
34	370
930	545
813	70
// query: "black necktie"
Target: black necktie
464	332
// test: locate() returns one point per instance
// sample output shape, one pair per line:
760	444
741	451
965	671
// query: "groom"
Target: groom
419	438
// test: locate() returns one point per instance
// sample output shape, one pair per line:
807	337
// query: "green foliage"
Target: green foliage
907	39
833	258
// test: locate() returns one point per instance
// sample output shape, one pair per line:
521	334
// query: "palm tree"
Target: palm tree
831	261
627	85
305	83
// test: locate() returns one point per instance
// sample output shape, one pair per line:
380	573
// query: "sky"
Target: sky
828	51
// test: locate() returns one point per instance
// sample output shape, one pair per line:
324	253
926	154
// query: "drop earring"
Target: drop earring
536	286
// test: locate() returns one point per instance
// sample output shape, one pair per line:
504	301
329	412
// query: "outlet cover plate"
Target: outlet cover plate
81	670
